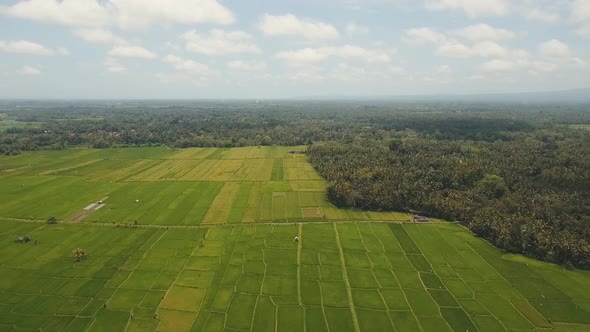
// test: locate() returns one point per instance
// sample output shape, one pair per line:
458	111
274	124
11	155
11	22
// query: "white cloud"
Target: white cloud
472	8
498	65
131	52
30	71
303	56
538	14
28	47
138	14
454	49
113	66
424	35
315	55
306	76
220	42
83	13
479	32
185	66
291	25
99	36
554	49
483	36
489	49
543	66
368	55
356	29
580	16
246	65
127	14
482	49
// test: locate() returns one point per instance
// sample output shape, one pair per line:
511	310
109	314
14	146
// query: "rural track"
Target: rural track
120	225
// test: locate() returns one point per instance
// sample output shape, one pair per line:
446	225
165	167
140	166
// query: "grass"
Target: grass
214	264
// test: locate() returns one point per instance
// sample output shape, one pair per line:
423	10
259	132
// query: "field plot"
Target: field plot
338	277
162	186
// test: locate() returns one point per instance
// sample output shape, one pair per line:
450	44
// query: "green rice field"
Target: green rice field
213	251
183	187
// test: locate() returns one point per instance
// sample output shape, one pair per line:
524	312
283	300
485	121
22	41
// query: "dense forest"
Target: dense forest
515	174
529	194
59	125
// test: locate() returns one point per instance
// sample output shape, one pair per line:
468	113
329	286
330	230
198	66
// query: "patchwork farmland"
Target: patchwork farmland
213	250
165	187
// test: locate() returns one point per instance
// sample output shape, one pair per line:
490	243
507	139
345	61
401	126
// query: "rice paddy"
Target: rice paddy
171	187
214	250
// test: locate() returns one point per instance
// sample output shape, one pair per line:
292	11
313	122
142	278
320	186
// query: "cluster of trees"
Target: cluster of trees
79	255
216	124
530	194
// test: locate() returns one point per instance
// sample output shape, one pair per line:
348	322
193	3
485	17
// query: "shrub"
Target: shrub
23	239
79	254
52	220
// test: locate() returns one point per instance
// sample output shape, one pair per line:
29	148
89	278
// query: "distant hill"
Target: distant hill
563	96
574	96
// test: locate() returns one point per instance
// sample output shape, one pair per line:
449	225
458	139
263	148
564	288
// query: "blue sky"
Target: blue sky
290	48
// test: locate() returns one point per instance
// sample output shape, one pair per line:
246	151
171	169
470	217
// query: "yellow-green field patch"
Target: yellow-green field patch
219	210
183	298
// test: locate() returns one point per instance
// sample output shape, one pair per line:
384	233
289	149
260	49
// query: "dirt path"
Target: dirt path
88	210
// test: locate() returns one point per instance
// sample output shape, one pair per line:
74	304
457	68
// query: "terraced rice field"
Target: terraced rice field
214	251
171	187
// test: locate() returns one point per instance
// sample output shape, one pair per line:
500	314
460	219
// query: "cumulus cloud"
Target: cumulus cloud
580	16
543	66
482	31
127	14
454	49
113	66
489	8
99	36
482	49
424	36
220	42
303	56
552	55
131	52
554	49
246	65
315	55
138	14
186	66
472	8
30	71
482	36
499	65
83	13
541	15
517	60
28	47
291	25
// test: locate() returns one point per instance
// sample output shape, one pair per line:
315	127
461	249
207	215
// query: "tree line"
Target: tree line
59	125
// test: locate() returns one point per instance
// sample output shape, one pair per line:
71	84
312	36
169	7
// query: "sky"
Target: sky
256	49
